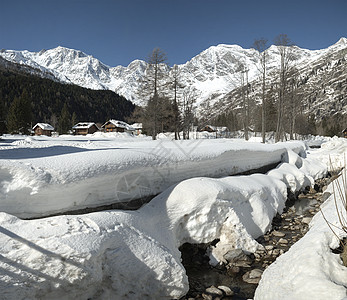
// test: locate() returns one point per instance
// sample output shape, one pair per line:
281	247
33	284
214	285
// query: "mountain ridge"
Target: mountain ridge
213	73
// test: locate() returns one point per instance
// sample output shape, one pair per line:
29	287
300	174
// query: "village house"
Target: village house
117	126
137	128
208	128
221	131
84	128
43	129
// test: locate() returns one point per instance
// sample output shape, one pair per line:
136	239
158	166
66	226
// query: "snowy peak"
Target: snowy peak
80	68
342	41
213	73
69	66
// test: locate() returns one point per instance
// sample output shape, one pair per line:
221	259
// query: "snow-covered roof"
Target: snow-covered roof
120	124
137	125
44	126
217	128
83	125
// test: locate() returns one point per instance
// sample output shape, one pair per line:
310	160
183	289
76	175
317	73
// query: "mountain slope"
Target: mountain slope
48	97
214	73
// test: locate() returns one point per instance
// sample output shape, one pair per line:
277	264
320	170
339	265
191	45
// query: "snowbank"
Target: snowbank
99	255
297	172
332	153
134	254
309	270
44	176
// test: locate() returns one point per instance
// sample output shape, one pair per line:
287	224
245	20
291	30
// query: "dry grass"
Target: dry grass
340	200
344	254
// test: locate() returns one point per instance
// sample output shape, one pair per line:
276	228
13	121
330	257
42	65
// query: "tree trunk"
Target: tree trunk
263	128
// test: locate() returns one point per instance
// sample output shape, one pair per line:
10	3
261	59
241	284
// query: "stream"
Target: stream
239	278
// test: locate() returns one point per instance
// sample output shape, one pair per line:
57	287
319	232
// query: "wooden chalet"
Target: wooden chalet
84	128
43	129
117	126
220	131
137	128
208	128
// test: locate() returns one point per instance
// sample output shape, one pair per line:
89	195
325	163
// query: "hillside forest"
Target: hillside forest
27	99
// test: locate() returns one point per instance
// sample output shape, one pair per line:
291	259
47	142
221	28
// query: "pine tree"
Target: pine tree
20	116
13	116
73	119
2	117
25	112
64	120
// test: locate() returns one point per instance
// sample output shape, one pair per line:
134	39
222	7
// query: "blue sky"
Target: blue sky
119	31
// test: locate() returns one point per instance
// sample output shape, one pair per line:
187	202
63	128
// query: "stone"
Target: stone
227	291
276	252
306	220
242	264
214	291
206	296
252	276
282	241
237	258
278	233
269	247
325	196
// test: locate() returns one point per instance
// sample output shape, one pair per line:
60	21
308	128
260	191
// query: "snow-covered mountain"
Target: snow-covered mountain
214	73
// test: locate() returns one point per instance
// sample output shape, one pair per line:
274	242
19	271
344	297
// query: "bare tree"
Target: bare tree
261	45
243	71
286	55
187	109
294	101
149	88
176	85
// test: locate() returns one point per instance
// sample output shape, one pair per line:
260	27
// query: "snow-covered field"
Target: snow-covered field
42	176
134	254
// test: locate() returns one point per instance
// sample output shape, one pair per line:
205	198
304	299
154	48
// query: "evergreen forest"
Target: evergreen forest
27	99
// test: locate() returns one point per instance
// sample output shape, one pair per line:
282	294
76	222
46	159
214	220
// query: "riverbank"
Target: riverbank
242	272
